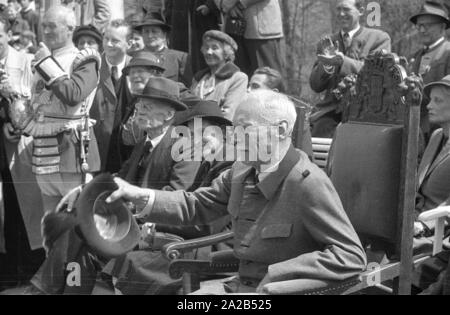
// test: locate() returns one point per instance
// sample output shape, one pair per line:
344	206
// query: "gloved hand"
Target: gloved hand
55	224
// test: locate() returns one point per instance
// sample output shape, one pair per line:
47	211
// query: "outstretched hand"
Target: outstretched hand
136	195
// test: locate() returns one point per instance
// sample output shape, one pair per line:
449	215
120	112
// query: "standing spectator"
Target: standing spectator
88	37
27	43
32	17
260	33
91	12
113	95
190	20
20	193
432	61
16	24
340	55
135	43
222	81
156	33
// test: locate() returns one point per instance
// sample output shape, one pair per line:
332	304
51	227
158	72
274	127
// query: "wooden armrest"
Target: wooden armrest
173	251
435	214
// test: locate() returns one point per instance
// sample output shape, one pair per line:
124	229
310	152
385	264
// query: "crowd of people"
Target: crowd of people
109	96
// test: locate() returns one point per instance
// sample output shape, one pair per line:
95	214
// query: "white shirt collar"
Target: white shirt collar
120	66
156	140
352	33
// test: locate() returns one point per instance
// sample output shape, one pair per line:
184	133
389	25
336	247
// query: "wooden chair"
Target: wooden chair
373	167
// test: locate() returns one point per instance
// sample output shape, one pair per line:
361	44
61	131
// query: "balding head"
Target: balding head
58	26
266	108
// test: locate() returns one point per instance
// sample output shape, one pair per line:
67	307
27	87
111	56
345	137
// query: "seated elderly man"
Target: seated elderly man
287	217
151	165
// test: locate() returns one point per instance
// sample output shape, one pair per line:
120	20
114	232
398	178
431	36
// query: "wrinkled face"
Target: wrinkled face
439	106
348	14
212	139
213	52
153	114
257	82
154	37
139	77
135	42
57	33
115	43
430	28
259	144
87	42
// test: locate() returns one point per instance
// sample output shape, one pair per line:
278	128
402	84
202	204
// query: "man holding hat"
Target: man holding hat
432	61
155	32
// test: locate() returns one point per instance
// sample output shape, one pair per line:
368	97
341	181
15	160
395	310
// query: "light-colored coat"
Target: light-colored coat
18	67
230	87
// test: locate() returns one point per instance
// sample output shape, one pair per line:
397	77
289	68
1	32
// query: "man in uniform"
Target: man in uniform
60	108
288	221
340	55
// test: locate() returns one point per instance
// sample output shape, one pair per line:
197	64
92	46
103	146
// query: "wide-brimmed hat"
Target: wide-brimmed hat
109	229
87	30
153	19
221	37
435	9
444	82
144	59
163	89
208	110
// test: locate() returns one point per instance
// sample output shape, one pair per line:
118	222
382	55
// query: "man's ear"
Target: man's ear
362	10
170	114
283	128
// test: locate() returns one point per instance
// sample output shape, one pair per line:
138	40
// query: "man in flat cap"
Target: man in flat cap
339	55
432	61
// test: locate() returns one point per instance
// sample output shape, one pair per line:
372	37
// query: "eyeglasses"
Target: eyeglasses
426	26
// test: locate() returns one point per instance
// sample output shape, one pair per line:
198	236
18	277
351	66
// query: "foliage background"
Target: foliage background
306	21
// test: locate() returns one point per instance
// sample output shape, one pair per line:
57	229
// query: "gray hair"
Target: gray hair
64	14
273	107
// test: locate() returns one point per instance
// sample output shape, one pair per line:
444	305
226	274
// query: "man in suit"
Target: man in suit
288	221
112	94
155	32
259	45
432	61
340	55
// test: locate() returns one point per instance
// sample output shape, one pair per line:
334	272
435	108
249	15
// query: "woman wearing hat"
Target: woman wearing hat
222	81
155	32
88	36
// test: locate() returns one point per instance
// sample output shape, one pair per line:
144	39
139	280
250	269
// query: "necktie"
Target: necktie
143	162
347	40
114	75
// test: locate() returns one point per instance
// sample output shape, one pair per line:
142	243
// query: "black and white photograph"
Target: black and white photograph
224	152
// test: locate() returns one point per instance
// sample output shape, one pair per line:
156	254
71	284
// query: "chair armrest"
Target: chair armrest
435	214
440	215
175	250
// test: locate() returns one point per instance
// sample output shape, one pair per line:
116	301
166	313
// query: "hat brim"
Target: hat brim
126	70
445	20
429	87
85	214
167	28
178	106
